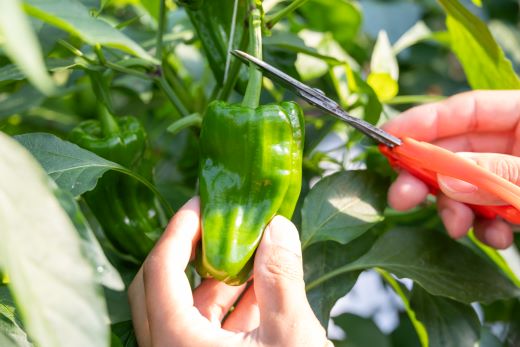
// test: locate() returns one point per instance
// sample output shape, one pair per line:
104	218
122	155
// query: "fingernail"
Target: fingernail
282	232
454	185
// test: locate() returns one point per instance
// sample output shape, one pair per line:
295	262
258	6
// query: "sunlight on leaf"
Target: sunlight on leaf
483	60
383	58
341	207
11	332
19	41
418	32
384	85
73	17
39	245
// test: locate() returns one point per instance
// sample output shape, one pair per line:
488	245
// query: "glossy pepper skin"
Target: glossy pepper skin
250	170
124	207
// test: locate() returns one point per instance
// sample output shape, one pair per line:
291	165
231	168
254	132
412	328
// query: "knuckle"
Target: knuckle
506	169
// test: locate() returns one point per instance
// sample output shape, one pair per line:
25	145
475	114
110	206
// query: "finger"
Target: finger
406	192
497	142
164	279
136	298
280	289
477	111
213	299
456	216
505	166
494	232
278	273
246	315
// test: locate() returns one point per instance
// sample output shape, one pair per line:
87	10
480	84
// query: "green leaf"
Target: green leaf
361	332
322	258
11	72
417	33
508	37
11	331
497	257
383	58
319	50
403	293
19	41
340	17
105	273
482	59
385	87
21	101
384	71
72	167
53	284
477	2
448	323
125	332
404	334
513	334
341	207
74	17
439	264
372	107
488	339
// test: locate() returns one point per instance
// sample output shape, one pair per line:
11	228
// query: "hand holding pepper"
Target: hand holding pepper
274	311
484	127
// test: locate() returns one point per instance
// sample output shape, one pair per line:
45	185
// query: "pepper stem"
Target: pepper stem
254	86
109	125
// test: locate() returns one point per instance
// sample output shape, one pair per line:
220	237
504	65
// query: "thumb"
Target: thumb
278	274
505	166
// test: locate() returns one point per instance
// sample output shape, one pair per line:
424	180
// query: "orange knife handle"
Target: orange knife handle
424	161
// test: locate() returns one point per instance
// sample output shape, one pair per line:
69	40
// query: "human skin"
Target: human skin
483	126
273	311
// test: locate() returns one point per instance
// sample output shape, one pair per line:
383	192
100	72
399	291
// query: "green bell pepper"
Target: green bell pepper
250	170
125	209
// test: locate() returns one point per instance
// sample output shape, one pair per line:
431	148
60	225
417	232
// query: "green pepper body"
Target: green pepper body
124	207
250	170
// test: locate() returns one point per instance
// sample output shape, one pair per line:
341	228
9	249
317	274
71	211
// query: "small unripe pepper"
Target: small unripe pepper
124	208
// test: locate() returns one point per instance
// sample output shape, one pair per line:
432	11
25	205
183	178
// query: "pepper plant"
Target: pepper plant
113	111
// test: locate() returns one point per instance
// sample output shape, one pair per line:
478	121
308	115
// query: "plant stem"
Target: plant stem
160	30
276	17
125	70
414	99
233	73
339	271
231	40
109	125
194	119
170	94
254	86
